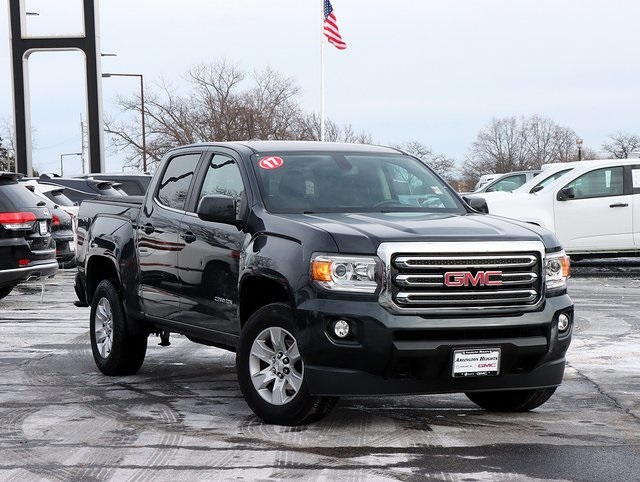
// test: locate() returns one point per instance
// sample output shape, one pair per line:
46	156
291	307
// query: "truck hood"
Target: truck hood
362	233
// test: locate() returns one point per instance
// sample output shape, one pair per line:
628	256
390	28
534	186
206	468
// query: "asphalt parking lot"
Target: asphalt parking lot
182	416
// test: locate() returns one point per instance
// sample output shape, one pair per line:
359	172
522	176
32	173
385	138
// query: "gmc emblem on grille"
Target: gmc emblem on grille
467	278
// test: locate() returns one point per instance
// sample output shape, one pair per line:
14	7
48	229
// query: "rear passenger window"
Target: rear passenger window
176	180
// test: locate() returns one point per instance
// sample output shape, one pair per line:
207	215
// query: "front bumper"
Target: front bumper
390	353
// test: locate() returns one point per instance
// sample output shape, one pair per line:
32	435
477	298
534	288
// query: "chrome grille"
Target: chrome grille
428	281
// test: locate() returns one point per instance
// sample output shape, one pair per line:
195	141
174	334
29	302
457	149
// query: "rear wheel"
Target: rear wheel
511	400
4	291
115	350
271	370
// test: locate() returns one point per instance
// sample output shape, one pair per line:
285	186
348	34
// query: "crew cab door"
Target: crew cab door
158	236
599	216
634	181
208	263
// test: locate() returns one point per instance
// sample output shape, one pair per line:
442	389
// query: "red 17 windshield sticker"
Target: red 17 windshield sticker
271	162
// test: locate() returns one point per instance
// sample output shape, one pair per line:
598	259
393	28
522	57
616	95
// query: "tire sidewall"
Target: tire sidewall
293	412
106	290
127	351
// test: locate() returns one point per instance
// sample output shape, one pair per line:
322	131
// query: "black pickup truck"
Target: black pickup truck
331	270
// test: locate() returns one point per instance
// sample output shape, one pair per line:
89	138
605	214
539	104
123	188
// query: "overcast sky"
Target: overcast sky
434	71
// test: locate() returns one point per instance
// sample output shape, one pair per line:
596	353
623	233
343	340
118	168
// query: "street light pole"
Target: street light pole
579	144
144	133
68	154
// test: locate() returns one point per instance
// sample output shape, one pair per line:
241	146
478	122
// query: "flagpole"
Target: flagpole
322	73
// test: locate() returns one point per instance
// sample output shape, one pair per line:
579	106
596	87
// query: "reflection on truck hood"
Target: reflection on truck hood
363	232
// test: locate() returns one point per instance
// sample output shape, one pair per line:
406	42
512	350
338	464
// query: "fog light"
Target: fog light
563	322
341	329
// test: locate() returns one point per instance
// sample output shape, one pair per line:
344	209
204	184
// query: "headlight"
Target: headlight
345	273
557	269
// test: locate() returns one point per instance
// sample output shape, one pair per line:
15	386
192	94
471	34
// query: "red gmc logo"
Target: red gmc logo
466	278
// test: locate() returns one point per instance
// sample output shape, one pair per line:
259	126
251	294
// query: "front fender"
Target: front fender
277	258
111	253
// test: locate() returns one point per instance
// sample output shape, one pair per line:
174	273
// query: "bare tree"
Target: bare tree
7	151
510	144
621	145
309	129
221	103
443	165
6	159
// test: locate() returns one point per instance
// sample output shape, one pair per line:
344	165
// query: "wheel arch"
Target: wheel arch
258	291
98	269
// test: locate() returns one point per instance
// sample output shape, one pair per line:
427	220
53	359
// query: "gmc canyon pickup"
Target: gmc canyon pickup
331	270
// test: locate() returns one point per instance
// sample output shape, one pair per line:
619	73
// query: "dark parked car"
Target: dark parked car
61	231
134	184
79	189
27	250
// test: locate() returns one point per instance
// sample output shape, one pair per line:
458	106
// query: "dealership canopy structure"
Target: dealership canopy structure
22	47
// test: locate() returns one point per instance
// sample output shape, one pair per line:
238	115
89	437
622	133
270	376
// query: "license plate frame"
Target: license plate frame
43	228
476	362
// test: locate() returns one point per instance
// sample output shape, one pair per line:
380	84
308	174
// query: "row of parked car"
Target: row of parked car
592	206
38	220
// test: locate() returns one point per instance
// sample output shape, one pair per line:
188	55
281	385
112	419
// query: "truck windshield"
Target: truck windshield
348	182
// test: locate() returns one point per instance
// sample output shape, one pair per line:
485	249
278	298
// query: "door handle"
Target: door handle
618	205
188	237
148	228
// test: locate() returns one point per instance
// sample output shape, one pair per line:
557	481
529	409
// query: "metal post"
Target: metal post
68	154
579	144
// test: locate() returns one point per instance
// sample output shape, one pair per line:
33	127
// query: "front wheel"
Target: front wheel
511	400
271	370
115	350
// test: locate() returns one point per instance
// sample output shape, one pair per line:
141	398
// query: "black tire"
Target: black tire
115	350
511	400
284	400
79	289
5	290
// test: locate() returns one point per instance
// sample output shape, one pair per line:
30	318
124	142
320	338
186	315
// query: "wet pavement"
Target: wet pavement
182	416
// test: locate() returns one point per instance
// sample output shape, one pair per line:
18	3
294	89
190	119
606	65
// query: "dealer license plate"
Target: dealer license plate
42	226
72	246
476	363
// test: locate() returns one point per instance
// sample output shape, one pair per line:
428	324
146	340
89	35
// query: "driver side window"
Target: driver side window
599	183
223	177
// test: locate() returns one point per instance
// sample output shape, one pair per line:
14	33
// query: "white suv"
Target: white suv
594	209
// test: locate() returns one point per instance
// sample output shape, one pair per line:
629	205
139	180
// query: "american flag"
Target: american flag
331	27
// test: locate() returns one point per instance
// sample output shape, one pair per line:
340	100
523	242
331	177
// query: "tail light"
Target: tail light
16	221
56	220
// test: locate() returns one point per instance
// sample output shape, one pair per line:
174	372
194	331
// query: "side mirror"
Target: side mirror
217	208
566	193
478	204
536	189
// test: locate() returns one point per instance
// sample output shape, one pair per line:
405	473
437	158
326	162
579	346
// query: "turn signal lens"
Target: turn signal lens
320	270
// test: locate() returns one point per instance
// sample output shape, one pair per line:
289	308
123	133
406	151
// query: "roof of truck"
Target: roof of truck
291	146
